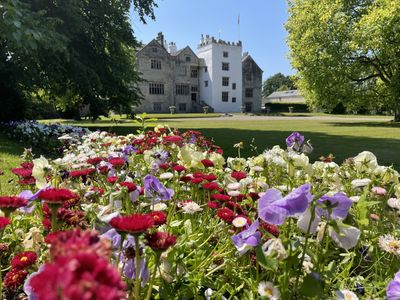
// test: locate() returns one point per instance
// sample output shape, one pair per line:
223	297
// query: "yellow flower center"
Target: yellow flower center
24	258
268	292
394	244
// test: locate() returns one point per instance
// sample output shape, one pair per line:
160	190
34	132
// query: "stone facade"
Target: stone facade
252	84
174	79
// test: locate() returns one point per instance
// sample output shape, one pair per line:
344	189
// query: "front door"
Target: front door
248	106
194	97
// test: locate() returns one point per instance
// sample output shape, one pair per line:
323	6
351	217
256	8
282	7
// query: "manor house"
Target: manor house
218	76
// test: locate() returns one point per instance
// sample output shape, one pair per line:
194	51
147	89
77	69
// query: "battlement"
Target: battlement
207	40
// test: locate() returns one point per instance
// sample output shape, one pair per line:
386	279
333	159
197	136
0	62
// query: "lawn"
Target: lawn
343	138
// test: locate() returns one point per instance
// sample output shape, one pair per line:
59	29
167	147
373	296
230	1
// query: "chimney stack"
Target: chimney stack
160	39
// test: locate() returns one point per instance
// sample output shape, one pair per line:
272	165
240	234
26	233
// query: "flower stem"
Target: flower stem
137	273
54	210
153	276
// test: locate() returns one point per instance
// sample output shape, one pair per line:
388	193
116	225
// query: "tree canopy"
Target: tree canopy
346	51
72	53
277	82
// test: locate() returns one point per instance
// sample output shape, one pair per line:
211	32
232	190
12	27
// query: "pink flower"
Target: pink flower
378	191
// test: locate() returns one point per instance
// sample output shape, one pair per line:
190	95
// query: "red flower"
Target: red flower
22	172
70	242
238	175
207	163
164	166
159	217
14	279
103	169
198	175
11	203
54	195
160	241
172	139
81	173
235	206
197	180
112	179
272	229
226	214
210	177
116	161
129	185
210	186
213	205
27	181
94	160
179	168
221	197
186	178
82	276
23	260
4	222
27	165
136	223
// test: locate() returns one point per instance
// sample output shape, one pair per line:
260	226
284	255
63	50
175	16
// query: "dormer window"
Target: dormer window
188	59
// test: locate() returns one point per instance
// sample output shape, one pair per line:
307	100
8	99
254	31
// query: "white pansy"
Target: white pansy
357	183
274	247
365	161
347	237
267	289
346	295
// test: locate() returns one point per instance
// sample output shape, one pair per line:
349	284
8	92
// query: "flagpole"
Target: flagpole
239	26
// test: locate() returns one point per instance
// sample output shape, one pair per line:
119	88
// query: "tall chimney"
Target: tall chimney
160	38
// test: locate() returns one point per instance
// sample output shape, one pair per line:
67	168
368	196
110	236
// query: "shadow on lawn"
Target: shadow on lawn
341	147
366	124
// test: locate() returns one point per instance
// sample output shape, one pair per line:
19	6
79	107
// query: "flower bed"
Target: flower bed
162	215
45	137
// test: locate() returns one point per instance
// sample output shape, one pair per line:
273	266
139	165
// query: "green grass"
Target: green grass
10	152
343	138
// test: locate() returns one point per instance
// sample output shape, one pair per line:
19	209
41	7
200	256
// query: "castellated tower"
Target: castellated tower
220	76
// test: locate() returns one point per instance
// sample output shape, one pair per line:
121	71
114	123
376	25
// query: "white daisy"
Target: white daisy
390	244
346	295
239	222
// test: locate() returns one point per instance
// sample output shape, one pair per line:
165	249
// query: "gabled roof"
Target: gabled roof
285	94
248	57
153	43
177	53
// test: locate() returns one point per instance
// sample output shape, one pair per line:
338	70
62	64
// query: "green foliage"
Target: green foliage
346	52
277	82
81	53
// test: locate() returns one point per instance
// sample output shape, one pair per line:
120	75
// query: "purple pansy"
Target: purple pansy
155	189
247	239
28	195
339	205
274	209
295	141
393	288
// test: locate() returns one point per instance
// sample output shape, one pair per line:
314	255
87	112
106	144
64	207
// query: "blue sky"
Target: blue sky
261	27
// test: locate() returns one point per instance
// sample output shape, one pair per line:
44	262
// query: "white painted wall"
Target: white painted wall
212	53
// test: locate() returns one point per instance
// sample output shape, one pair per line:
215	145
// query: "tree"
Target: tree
347	52
277	82
80	52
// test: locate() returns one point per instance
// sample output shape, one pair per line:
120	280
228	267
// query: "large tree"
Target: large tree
347	51
277	82
74	52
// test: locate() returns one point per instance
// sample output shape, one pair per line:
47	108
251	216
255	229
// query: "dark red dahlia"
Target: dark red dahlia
22	172
27	165
179	168
207	163
116	162
14	279
159	217
172	139
23	260
4	222
136	223
112	179
198	175
186	178
27	181
272	229
81	173
210	177
103	169
210	186
94	160
82	276
54	195
129	185
235	206
164	166
213	204
226	214
197	180
160	241
238	175
11	203
221	197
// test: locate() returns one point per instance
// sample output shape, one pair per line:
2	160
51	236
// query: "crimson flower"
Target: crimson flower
213	205
11	203
271	228
179	168
197	180
159	217
57	196
238	175
116	161
136	223
23	260
14	279
94	160
112	179
207	163
27	181
22	172
129	185
226	214
4	222
210	177
221	197
81	173
172	139
27	165
210	186
82	276
160	241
